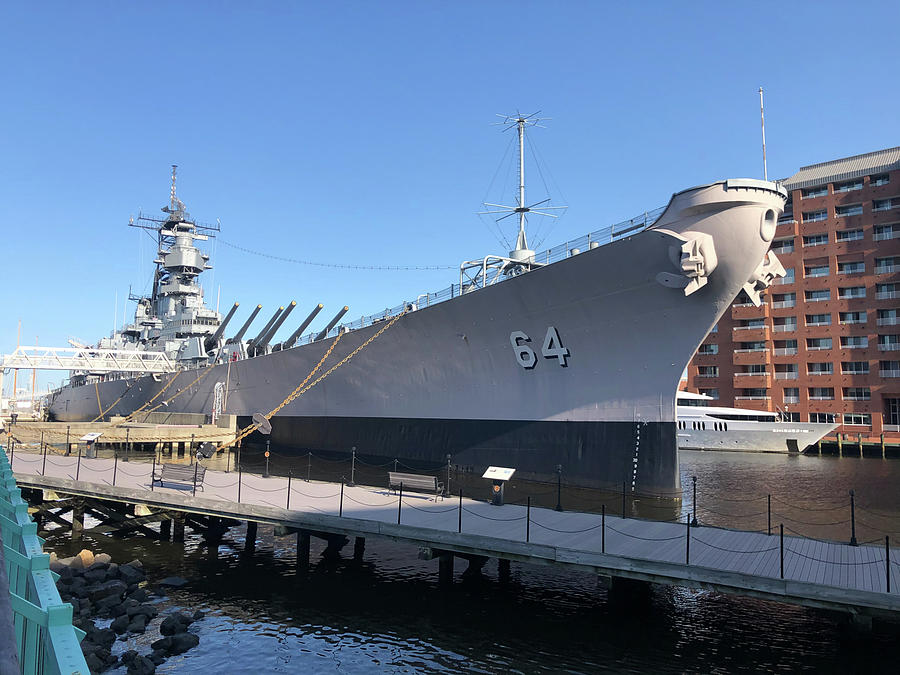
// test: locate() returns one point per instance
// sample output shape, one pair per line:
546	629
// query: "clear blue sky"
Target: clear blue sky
360	132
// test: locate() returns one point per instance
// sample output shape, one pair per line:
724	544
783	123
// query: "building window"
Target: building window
881	179
817	296
715	329
891	231
887	265
848	210
785	347
756	346
822	418
854	341
809	193
817	270
824	368
817	344
855	367
786	371
852	317
784	324
857	394
754	393
889	368
712	393
852	292
885	204
854	267
783	246
791	395
848	235
889	343
788	278
818	319
708	349
858	419
708	371
782	300
886	291
849	186
821	394
815	239
887	317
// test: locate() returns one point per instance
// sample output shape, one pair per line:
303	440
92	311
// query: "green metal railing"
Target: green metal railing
45	639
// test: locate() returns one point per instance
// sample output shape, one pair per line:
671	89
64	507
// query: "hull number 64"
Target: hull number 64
551	349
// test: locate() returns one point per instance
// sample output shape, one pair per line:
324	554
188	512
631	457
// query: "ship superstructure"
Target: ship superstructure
570	356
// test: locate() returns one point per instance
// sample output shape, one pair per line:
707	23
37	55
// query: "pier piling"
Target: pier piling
445	569
165	529
303	550
250	540
77	521
503	570
178	530
359	548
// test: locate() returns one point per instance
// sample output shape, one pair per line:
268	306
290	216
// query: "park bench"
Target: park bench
417	482
181	473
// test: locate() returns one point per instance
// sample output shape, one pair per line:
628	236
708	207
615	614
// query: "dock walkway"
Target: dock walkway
861	579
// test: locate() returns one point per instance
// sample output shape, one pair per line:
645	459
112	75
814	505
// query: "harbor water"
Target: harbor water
387	613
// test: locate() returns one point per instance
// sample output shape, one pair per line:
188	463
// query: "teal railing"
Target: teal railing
45	639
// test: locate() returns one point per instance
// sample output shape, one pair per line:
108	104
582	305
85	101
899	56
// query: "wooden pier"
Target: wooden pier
863	580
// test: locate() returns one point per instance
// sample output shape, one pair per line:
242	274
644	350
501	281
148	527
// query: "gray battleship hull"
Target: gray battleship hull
446	379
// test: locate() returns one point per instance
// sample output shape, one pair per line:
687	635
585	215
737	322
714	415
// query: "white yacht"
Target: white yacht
702	426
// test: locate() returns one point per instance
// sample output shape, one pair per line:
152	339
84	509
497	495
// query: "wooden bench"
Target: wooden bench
417	482
181	473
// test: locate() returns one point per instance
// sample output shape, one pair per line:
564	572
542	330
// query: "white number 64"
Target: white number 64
551	349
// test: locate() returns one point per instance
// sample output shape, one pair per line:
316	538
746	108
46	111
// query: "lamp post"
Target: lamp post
559	487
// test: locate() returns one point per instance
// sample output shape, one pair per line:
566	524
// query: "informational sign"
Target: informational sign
498	473
91	437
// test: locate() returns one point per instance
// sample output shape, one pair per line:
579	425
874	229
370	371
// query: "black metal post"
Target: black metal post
769	509
353	465
603	528
78	466
687	546
153	473
115	465
308	465
341	507
290	475
68	446
127	437
623	499
239	483
12	453
227	458
191	448
448	474
395	466
459	529
194	493
852	520
559	487
400	503
694	522
781	546
887	561
44	465
266	474
528	521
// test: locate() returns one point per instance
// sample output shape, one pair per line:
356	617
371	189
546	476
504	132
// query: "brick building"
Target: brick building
825	344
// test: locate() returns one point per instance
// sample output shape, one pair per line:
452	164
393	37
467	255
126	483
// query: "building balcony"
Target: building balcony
749	357
889	373
889	321
889	347
751	381
784	328
749	311
790	351
787	375
752	398
886	269
751	333
887	295
892	428
784	304
791	399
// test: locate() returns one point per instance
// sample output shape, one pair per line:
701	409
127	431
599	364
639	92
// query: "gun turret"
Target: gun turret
287	344
240	333
332	323
261	345
252	344
214	338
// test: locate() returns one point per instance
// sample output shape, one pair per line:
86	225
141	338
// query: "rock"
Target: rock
103	637
66	561
130	574
138	594
199	614
147	610
112	588
112	572
57	566
174	623
94	663
109	606
128	656
162	645
175	582
95	576
83	559
141	665
137	564
184	641
103	558
53	557
120	624
138	624
157	657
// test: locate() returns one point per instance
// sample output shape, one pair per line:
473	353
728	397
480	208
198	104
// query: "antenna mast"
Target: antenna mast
172	199
762	119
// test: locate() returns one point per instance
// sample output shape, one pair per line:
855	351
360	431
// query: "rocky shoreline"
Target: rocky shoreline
101	590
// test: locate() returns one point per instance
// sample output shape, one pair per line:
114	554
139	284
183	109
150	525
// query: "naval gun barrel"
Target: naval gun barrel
332	323
240	333
266	328
212	339
274	329
287	344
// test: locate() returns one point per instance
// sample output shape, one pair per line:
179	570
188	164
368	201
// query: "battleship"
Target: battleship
567	359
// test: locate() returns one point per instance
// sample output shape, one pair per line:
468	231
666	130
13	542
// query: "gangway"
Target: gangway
86	359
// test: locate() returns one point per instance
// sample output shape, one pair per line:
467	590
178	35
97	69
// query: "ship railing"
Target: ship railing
593	239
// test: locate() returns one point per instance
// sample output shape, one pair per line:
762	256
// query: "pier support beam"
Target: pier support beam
302	550
476	563
445	569
77	521
165	530
503	570
250	540
359	548
629	592
178	530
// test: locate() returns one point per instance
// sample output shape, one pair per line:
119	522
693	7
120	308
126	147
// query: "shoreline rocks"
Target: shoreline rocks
98	588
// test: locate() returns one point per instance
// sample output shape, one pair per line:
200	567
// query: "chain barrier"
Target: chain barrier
847	563
431	511
719	498
633	536
114	403
479	515
362	503
806	522
731	550
776	498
